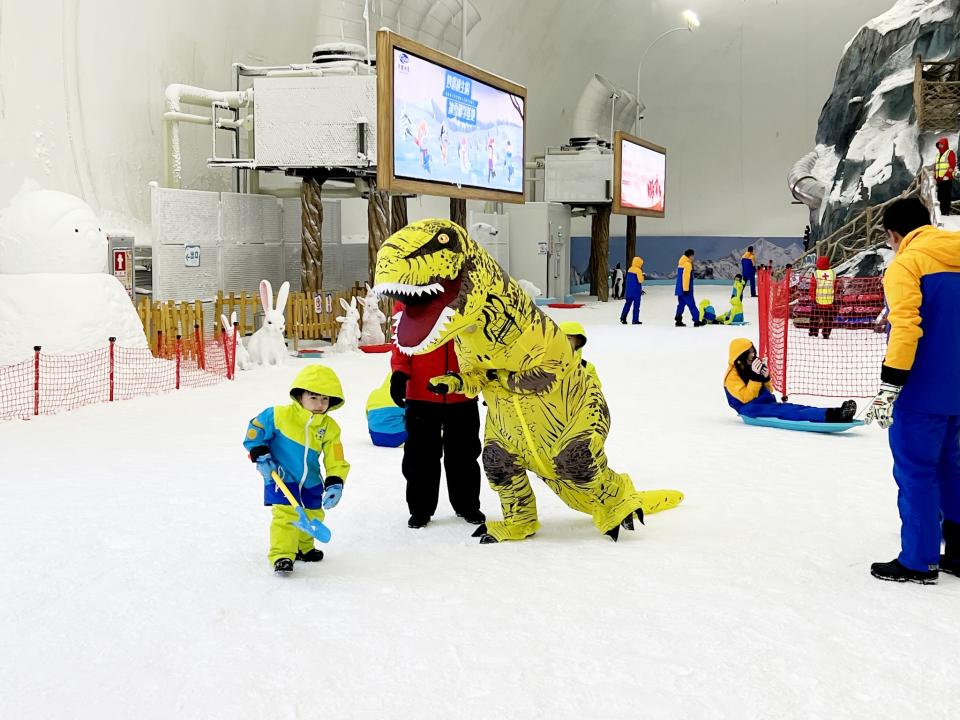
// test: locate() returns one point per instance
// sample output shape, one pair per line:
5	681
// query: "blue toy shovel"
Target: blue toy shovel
313	528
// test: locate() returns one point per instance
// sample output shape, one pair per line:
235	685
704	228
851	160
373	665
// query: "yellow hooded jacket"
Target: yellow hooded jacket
296	439
739	393
922	287
684	275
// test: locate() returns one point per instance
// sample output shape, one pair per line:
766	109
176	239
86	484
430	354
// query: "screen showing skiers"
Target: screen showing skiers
642	177
451	128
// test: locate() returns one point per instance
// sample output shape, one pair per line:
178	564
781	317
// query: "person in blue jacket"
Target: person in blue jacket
747	386
919	397
748	268
633	291
684	290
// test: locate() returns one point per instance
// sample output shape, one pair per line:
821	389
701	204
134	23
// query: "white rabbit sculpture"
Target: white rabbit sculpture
349	335
373	318
266	345
243	357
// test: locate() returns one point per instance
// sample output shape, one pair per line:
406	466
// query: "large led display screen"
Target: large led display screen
451	129
640	177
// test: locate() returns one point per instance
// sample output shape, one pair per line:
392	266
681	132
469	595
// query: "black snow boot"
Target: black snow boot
896	572
474	517
843	414
678	321
418	521
623	321
283	566
314	555
950	560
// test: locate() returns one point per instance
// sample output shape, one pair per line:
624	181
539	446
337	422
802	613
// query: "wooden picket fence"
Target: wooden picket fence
308	318
163	322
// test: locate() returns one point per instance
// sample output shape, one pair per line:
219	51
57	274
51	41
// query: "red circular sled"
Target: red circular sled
566	306
382	348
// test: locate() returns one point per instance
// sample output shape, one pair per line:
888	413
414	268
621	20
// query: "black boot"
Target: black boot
314	555
842	414
474	517
678	321
950	560
896	572
623	321
418	521
283	566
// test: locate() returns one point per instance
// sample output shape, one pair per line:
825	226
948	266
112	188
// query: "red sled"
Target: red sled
565	306
381	348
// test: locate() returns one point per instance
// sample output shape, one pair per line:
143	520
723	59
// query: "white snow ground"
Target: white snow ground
135	582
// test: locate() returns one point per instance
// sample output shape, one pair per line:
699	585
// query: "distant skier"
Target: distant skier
508	160
748	391
444	141
464	155
748	268
491	157
289	440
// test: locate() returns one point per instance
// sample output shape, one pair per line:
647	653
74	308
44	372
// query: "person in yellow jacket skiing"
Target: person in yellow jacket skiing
290	440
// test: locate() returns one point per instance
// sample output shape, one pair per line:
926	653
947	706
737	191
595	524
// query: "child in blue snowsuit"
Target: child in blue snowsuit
633	291
747	386
290	440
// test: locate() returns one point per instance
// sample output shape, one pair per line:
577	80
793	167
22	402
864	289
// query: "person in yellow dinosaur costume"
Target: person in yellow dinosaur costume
544	413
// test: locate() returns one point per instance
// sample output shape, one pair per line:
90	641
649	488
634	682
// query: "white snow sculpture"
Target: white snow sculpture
44	231
267	345
243	357
348	337
54	291
373	319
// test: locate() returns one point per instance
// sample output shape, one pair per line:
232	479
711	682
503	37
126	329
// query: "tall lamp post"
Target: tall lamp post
691	23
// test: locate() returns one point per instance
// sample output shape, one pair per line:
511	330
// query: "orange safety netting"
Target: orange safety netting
833	350
48	383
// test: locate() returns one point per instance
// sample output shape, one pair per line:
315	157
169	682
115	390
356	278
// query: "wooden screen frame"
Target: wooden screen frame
618	139
387	41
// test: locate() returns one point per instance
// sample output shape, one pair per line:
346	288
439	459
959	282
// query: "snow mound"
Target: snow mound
64	314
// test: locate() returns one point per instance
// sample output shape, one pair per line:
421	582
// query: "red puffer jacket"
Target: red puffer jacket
421	368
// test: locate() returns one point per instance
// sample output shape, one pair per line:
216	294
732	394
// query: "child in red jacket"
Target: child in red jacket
437	425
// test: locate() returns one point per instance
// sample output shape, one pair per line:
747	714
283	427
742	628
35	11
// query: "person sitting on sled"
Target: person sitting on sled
708	314
289	440
735	314
748	391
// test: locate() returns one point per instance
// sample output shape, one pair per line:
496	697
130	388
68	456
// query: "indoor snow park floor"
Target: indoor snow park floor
136	584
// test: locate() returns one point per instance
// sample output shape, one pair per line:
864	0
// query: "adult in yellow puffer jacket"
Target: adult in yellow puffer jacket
684	290
633	291
919	398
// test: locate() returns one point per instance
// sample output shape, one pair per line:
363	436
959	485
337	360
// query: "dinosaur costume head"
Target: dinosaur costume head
442	278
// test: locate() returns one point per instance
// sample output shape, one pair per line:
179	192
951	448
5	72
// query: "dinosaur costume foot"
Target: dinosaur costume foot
480	531
627	522
640	503
498	531
654	501
613	533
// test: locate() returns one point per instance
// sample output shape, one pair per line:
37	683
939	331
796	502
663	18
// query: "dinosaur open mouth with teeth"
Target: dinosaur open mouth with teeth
426	311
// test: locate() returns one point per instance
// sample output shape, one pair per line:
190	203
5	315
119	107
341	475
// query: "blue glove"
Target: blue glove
332	493
266	466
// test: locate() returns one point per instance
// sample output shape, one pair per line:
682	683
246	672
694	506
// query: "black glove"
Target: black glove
398	388
446	383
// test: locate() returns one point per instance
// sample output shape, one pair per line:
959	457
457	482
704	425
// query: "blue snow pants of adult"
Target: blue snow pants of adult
753	284
685	300
635	302
926	466
767	406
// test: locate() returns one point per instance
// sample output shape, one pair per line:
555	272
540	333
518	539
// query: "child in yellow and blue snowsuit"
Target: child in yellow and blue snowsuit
385	419
290	440
747	386
919	397
735	314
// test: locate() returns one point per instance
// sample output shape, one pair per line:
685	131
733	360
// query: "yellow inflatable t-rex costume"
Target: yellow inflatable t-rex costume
544	413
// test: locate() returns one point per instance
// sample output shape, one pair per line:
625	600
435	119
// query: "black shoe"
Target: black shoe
418	521
950	566
314	555
814	333
474	517
848	411
636	322
623	321
697	323
896	572
283	566
678	322
826	334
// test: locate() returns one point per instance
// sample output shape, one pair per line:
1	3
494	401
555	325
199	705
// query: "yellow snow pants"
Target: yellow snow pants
285	539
